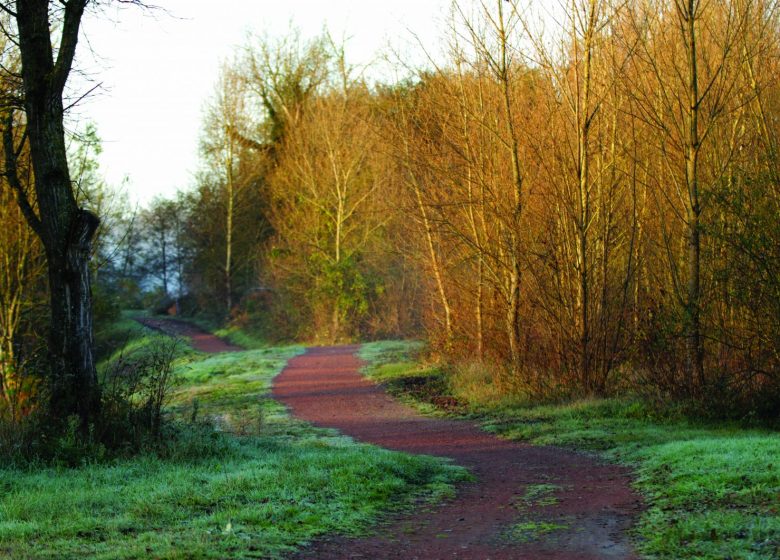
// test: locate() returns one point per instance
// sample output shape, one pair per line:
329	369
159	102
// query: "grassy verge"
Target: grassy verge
127	338
247	482
712	491
242	337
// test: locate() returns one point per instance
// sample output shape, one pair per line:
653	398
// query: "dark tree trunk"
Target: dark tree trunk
74	381
65	230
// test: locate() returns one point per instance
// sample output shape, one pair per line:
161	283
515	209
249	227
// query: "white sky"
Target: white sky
157	70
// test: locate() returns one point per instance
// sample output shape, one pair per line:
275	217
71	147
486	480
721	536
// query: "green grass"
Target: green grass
238	336
539	495
259	495
529	531
712	491
128	339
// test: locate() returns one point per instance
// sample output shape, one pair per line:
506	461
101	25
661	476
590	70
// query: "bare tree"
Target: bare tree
65	229
20	255
490	35
685	79
222	146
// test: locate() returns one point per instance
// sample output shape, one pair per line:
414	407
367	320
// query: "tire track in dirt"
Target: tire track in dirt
588	516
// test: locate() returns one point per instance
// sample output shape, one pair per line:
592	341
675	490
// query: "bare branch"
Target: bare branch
12	175
74	9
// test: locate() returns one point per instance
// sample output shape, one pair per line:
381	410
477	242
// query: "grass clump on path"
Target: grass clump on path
257	495
712	491
539	495
529	531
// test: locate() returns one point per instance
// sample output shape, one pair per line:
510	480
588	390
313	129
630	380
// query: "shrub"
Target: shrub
135	391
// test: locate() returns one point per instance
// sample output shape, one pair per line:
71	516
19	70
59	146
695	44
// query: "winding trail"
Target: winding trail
199	338
590	514
589	517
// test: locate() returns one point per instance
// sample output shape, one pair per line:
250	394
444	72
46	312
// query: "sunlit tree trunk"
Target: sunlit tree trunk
584	116
229	214
434	260
695	353
514	249
18	255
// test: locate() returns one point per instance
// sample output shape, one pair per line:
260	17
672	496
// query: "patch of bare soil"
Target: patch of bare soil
527	502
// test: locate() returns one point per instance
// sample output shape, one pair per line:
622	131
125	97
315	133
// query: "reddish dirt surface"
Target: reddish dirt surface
595	504
200	339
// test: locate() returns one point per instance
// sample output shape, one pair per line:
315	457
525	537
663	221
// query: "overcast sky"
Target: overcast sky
156	70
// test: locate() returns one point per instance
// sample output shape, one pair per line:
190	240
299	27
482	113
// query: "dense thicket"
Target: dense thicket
586	207
584	210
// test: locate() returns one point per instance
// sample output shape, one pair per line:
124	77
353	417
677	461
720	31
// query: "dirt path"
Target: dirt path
587	515
200	339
